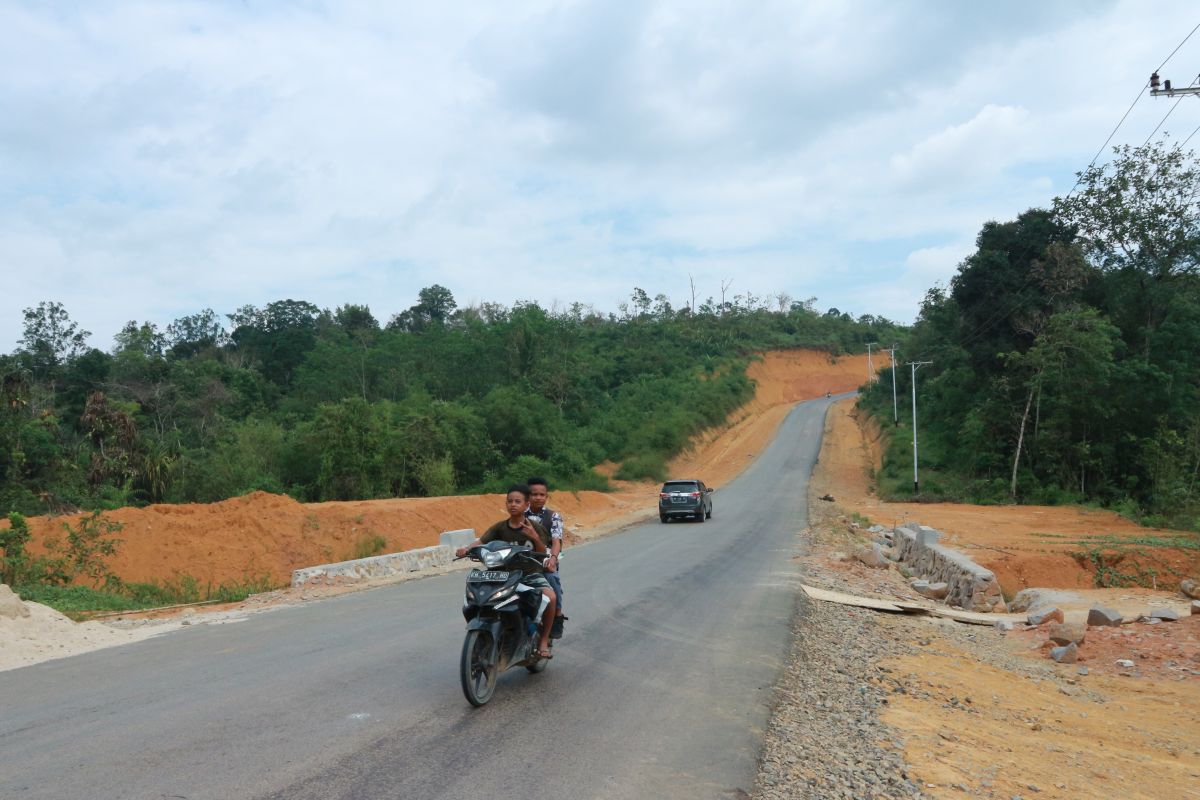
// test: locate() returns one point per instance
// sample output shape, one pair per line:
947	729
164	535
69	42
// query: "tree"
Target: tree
50	339
434	306
278	336
1139	215
190	335
144	339
1073	358
356	321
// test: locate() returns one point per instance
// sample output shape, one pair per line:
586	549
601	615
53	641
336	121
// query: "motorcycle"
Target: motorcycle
502	616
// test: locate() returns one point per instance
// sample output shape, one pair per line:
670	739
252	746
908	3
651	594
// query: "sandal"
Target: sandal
544	653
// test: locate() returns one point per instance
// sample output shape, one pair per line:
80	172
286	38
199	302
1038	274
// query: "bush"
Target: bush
646	466
436	476
369	544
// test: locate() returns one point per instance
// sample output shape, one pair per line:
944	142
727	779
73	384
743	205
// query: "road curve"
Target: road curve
660	688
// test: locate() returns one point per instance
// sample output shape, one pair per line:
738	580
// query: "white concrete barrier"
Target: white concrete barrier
361	569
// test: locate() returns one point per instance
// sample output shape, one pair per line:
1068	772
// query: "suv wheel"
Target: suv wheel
662	518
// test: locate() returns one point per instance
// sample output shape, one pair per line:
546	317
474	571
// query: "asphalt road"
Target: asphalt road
659	689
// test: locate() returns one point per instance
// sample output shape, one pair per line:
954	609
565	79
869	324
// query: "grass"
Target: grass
79	602
369	544
1106	552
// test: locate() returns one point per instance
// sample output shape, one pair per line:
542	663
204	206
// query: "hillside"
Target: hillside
265	535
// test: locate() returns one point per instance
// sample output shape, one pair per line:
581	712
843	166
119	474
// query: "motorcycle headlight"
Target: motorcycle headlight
492	558
503	593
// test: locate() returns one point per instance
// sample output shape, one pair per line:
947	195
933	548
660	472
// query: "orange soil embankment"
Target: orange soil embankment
263	535
1043	546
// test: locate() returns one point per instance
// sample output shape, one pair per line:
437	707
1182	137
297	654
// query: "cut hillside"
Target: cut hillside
1065	547
267	536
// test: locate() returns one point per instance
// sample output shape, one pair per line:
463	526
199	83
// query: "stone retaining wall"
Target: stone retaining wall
361	569
970	586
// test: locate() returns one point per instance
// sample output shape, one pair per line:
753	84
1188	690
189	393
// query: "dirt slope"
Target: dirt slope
1050	546
263	535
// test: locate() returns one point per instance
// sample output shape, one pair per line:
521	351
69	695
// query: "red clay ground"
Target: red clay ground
1047	546
267	536
986	714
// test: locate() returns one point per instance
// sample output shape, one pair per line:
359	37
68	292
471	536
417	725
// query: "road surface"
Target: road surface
661	687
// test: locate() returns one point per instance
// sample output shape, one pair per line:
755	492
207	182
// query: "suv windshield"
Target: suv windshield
680	486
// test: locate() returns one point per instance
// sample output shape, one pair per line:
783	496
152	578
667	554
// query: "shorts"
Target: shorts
537	580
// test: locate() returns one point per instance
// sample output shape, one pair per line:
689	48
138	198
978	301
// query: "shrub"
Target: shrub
645	466
369	544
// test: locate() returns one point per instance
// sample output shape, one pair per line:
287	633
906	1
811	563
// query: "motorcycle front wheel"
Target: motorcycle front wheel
477	670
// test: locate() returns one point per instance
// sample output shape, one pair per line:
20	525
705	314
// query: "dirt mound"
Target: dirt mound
267	536
38	633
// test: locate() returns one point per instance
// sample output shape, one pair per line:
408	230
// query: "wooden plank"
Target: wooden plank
862	602
975	617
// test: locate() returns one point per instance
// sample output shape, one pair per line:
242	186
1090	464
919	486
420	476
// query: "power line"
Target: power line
1176	50
1169	112
1189	138
1141	91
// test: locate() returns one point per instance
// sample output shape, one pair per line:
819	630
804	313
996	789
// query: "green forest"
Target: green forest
334	405
1065	354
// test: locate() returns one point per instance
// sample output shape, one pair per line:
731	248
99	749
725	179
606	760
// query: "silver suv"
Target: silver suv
685	498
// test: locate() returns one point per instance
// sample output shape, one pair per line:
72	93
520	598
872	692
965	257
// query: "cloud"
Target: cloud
159	159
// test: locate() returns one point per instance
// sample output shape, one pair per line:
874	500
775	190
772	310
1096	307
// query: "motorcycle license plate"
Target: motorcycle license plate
487	576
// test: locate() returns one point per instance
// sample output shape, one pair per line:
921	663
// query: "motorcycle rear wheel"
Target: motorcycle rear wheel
477	670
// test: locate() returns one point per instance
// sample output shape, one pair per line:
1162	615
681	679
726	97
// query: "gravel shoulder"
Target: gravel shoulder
875	705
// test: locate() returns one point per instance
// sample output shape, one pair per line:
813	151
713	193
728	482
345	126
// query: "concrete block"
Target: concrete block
457	539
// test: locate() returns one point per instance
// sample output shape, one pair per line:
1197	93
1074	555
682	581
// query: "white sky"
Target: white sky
158	158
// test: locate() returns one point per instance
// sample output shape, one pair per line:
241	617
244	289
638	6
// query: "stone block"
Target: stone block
872	557
1165	614
1099	616
934	591
1190	588
1067	654
1044	615
1064	633
1194	609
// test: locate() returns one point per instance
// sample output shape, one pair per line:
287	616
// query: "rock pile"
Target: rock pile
1064	639
967	585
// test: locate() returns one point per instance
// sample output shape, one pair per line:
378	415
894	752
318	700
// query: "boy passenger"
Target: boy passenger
551	520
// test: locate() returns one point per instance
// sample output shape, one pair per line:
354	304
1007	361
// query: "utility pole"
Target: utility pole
895	408
870	366
915	365
1166	90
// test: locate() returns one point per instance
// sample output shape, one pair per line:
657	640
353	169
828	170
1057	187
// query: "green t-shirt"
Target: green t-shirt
502	531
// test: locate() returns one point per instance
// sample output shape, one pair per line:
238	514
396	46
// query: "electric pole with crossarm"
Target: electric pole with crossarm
915	365
895	410
1165	88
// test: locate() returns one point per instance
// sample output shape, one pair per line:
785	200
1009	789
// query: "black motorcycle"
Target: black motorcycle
501	614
